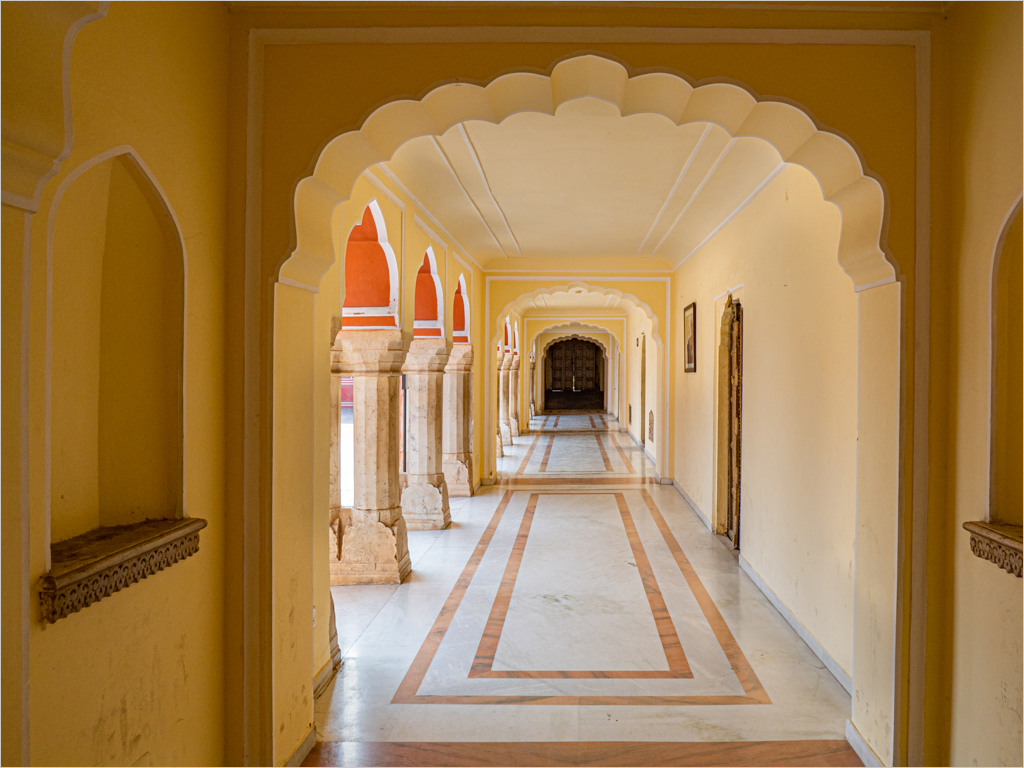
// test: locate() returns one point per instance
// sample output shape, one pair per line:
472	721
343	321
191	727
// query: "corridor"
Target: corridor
555	617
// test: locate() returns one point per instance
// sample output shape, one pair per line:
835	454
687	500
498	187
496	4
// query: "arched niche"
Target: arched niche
371	275
116	326
1007	375
460	313
428	319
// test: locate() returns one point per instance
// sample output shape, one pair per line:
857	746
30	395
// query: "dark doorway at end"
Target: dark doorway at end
568	400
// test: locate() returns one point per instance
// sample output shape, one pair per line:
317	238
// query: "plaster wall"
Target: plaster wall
986	167
638	324
139	676
799	399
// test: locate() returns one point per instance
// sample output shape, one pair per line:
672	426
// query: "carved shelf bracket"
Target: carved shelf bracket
999	543
87	568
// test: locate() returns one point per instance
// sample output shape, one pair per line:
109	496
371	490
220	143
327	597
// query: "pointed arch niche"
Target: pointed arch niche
115	384
371	275
429	301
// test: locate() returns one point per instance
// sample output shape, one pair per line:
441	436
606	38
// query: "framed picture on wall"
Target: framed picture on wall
690	338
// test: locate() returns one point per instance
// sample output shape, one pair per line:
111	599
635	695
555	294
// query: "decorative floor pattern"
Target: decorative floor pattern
577	614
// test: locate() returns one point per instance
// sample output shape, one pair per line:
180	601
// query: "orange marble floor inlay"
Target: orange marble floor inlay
753	691
529	454
484	659
604	453
547	454
623	456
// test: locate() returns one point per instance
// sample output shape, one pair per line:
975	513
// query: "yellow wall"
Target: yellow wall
986	167
799	399
156	76
1007	459
15	594
139	676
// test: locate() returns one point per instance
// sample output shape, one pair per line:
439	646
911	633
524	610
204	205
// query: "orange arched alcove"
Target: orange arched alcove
460	329
368	290
427	320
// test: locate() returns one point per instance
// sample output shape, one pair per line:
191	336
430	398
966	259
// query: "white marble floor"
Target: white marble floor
555	612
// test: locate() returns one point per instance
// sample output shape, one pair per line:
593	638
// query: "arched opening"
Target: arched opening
116	393
371	275
795	141
429	300
460	313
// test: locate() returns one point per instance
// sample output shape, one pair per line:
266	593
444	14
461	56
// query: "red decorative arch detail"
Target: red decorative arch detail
428	320
460	314
368	290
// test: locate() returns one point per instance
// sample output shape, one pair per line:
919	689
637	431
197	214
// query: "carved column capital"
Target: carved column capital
460	360
368	353
506	362
427	355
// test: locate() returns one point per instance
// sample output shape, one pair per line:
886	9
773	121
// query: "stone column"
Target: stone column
513	396
425	495
533	387
373	546
457	460
503	384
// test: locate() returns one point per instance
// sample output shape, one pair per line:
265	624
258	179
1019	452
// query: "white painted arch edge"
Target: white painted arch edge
791	130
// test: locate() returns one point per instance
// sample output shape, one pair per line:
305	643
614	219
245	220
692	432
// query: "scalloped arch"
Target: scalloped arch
629	300
577	335
574	326
791	130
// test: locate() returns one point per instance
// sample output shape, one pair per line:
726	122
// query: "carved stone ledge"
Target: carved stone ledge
95	565
999	543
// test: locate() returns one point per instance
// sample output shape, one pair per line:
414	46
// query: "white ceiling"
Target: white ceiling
584	182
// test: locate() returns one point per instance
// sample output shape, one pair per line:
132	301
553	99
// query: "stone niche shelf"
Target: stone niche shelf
95	565
999	543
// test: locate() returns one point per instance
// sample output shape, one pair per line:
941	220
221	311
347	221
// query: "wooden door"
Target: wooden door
585	365
561	365
735	420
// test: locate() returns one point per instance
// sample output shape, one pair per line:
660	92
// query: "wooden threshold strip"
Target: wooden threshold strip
832	752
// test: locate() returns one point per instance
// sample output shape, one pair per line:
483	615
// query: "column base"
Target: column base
458	473
372	553
506	434
513	427
501	451
425	503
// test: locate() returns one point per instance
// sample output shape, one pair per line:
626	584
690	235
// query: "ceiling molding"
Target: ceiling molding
382	168
458	180
696	193
672	192
736	211
487	186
